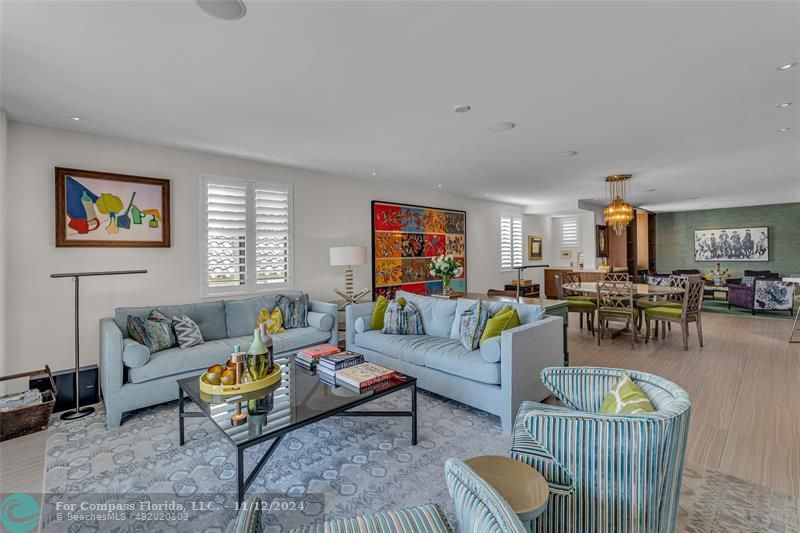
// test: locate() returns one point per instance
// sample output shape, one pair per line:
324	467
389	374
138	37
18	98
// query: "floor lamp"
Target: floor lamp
519	270
80	412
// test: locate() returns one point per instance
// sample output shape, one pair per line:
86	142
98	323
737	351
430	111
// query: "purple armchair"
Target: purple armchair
765	294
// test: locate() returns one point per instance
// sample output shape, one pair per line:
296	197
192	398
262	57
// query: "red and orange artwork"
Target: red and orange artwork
434	221
387	218
435	244
388	271
455	245
388	245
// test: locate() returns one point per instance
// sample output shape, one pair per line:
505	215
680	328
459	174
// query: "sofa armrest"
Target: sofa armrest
110	357
351	313
329	309
525	351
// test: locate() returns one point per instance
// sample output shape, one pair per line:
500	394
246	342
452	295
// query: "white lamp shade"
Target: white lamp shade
348	255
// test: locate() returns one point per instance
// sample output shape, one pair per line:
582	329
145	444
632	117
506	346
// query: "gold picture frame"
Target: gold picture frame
535	250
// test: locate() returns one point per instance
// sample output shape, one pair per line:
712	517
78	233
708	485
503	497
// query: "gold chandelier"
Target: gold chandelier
618	213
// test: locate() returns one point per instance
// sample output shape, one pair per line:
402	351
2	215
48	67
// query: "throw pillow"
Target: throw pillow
625	398
187	331
273	322
506	318
380	309
157	334
473	322
294	309
748	281
402	319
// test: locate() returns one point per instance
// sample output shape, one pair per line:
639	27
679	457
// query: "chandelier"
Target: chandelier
618	213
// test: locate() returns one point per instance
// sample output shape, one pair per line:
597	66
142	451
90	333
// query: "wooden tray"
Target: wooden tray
226	390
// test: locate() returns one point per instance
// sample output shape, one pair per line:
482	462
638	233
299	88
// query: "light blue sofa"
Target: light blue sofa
496	378
131	377
618	473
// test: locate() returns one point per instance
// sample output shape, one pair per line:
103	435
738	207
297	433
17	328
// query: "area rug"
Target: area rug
721	306
357	465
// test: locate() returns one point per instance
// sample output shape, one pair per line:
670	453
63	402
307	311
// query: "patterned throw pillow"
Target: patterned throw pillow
402	320
506	318
625	398
273	322
380	309
187	331
294	310
473	322
155	332
747	281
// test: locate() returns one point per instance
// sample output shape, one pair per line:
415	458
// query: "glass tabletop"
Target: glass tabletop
300	398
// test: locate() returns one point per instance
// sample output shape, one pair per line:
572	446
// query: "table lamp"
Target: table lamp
347	256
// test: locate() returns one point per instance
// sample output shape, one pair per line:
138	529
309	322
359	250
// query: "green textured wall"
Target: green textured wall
675	237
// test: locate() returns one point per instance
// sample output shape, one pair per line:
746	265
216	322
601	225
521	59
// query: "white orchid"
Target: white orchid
445	267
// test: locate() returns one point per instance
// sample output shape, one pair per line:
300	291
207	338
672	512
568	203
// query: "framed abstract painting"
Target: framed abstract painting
405	238
101	209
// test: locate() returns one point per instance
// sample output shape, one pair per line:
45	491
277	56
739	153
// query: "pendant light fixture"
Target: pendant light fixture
619	212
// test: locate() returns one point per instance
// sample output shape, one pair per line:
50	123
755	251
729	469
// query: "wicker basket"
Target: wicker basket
30	418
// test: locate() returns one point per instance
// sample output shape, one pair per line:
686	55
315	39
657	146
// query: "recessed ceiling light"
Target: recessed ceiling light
783	105
568	153
694	198
440	186
787	66
374	172
461	108
783	130
223	9
650	190
502	126
75	118
486	195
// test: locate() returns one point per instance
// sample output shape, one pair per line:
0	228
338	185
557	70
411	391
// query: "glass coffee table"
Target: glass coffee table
299	399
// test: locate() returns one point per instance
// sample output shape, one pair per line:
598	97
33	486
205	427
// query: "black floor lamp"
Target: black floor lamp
80	412
519	270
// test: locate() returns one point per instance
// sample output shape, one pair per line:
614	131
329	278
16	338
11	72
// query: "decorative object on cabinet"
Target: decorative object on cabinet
101	209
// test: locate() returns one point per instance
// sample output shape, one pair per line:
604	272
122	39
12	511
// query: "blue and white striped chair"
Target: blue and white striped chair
607	473
479	509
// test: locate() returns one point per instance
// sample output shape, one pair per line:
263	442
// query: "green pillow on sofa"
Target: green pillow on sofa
380	309
625	398
506	318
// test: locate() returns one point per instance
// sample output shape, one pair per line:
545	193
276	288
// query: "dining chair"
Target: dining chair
616	276
615	304
581	306
573	278
672	299
691	310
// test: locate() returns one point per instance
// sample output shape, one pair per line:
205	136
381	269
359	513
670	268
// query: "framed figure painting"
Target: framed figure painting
101	209
732	244
601	238
404	240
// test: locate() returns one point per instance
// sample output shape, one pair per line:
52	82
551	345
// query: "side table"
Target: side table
519	484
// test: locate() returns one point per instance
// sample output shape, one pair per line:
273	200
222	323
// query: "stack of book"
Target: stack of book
360	378
307	358
329	365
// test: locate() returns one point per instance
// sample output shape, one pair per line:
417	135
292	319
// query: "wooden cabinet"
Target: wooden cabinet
550	281
528	291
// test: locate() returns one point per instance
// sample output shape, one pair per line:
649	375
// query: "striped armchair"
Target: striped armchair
607	473
479	508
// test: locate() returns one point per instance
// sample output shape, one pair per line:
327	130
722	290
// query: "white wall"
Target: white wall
538	225
329	210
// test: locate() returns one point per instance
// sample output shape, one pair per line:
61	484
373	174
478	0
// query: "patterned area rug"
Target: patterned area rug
358	464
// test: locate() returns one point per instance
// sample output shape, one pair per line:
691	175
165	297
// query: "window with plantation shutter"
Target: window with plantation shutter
510	242
246	237
569	232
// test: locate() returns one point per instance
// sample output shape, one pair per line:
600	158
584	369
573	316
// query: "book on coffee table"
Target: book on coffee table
341	360
362	376
312	354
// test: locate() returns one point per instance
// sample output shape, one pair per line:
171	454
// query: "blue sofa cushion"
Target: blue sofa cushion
434	352
134	354
437	313
209	316
241	316
425	518
288	341
527	313
321	321
176	361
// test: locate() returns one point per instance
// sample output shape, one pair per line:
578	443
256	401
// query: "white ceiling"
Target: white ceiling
681	94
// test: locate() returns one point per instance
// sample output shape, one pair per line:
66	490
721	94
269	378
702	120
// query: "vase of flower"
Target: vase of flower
259	356
445	267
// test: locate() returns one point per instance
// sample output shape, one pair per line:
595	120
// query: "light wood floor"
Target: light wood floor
743	384
744	390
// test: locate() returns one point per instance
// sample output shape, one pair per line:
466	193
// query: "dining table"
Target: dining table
639	289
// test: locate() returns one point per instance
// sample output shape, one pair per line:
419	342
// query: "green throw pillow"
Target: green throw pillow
380	309
506	318
625	398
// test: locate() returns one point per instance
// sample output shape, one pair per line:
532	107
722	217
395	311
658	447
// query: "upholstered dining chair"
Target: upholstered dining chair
674	299
691	310
615	304
577	303
479	508
609	473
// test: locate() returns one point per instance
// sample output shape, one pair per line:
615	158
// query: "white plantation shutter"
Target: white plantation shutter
510	242
247	238
569	232
272	235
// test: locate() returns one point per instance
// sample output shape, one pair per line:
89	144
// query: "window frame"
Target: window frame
511	218
251	286
577	221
